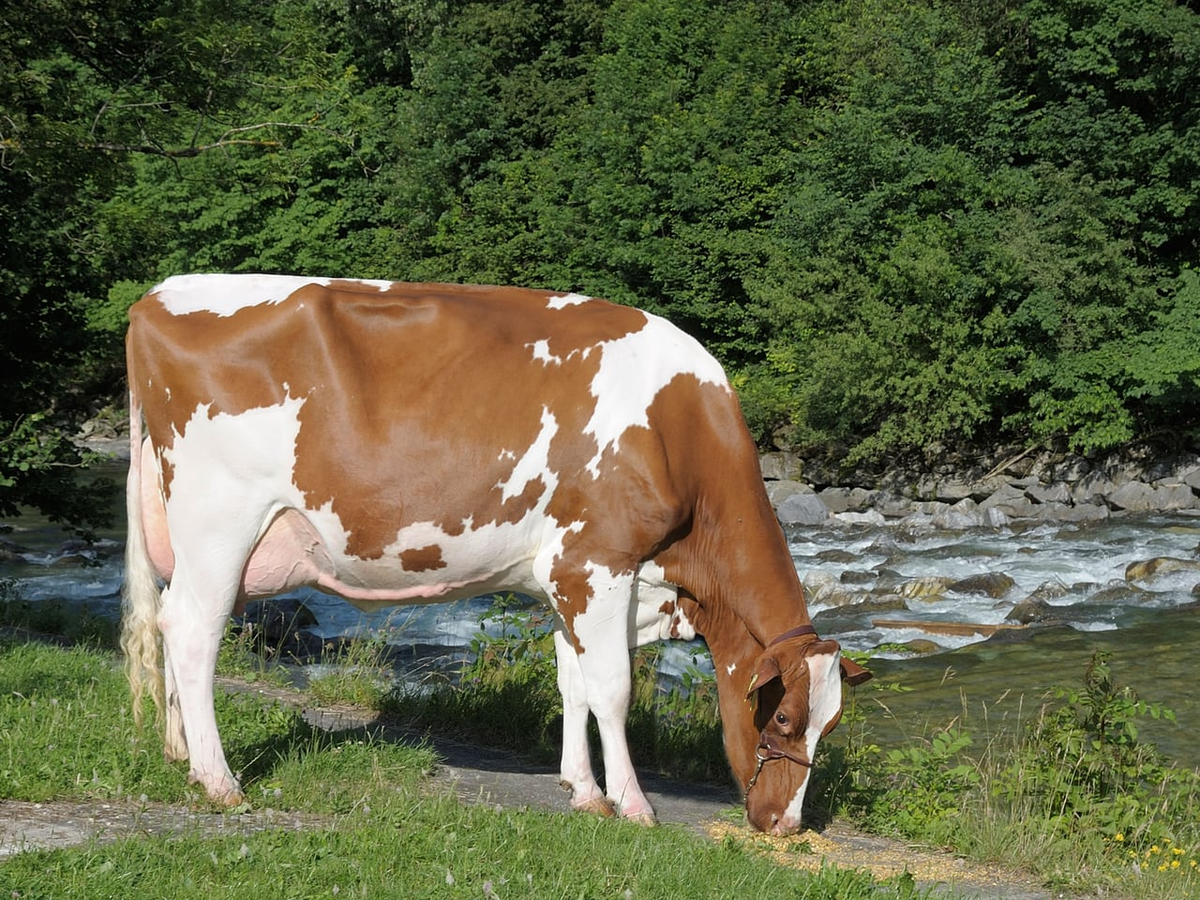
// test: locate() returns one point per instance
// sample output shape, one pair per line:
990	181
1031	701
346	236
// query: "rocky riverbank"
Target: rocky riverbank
1018	489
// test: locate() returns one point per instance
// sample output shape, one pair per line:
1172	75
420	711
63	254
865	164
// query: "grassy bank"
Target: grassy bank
65	732
1069	793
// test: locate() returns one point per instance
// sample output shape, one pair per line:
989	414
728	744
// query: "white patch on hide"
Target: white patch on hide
560	302
633	369
226	294
535	463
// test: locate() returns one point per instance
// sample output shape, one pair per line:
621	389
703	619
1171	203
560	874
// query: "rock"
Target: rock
995	518
1049	590
803	509
1151	569
871	517
854	576
1138	497
921	646
1069	470
837	556
836	498
1031	610
780	466
1051	493
278	621
957	519
1092	488
929	588
990	584
1082	512
778	491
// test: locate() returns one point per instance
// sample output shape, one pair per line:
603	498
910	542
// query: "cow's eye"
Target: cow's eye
781	718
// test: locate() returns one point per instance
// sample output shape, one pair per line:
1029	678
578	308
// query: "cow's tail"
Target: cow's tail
141	594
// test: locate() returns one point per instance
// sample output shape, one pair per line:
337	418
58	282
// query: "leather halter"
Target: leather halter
798	631
767	749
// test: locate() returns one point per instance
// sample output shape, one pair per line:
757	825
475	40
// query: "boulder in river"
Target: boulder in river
990	584
1158	567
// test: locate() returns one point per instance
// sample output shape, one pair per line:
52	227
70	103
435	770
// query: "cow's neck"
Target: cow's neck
735	653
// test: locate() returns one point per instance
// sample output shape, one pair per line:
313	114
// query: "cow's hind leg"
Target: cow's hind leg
192	622
174	740
576	770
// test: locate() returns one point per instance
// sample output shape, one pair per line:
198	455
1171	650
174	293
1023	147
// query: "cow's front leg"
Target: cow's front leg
603	631
576	769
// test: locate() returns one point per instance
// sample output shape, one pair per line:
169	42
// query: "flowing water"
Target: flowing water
865	583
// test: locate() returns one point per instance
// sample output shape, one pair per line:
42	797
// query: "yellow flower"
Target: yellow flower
1118	837
1163	867
1178	851
1174	864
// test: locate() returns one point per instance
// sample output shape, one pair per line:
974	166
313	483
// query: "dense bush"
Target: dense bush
897	224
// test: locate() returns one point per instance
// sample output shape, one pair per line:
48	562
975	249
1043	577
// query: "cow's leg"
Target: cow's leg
576	770
174	740
192	621
602	630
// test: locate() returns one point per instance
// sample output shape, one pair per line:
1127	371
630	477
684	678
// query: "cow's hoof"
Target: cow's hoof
646	819
227	797
600	806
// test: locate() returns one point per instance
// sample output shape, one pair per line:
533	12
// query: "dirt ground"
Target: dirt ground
482	775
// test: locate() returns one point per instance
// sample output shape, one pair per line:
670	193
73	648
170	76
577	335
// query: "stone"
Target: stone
778	491
929	588
779	466
1031	610
1049	493
1093	487
1069	469
871	517
1082	512
1158	567
990	584
803	509
836	498
1137	496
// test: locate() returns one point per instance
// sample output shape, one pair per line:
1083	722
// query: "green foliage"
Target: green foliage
897	225
1078	797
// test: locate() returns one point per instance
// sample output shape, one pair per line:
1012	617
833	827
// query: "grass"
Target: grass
65	734
1069	793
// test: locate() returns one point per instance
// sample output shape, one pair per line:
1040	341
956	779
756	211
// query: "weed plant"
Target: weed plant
1074	795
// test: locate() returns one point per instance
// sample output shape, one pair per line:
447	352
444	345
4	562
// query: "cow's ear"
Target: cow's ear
854	674
768	671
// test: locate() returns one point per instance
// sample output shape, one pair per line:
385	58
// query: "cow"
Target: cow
399	443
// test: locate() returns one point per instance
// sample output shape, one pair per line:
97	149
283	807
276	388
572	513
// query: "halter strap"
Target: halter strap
798	631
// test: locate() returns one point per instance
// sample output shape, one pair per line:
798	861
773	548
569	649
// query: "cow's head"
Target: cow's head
796	689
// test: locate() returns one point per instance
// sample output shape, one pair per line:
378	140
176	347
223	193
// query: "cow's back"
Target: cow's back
407	418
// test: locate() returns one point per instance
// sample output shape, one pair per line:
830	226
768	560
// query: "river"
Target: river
858	577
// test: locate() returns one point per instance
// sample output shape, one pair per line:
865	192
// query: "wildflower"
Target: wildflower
1174	864
1118	837
1178	851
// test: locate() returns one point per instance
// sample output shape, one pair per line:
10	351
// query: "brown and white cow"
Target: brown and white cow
413	443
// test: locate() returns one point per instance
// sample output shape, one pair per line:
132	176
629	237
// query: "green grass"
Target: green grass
65	733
